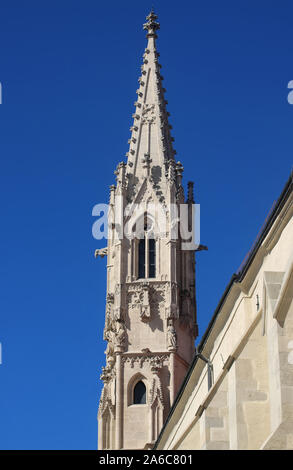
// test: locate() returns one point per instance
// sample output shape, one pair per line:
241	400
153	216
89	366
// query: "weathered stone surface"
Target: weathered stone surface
150	323
250	405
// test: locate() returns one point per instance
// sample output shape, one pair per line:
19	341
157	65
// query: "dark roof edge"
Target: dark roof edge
235	278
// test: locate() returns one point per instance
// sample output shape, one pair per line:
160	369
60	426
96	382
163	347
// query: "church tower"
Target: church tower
150	324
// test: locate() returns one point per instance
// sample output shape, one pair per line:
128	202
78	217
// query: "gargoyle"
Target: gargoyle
101	252
201	248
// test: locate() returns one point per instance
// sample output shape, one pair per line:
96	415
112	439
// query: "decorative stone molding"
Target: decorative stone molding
147	298
141	359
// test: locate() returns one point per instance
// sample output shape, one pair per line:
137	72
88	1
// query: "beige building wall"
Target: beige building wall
249	343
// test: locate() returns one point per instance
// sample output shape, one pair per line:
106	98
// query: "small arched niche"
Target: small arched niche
139	393
137	390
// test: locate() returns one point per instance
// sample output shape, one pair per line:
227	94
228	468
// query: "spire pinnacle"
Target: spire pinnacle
152	25
151	153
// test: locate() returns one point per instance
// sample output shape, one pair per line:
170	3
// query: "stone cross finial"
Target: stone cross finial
146	161
152	25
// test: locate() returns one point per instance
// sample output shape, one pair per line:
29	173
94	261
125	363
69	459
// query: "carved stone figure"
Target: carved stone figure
171	337
120	337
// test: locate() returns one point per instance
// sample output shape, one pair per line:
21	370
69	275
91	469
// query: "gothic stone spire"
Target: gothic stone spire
150	323
150	132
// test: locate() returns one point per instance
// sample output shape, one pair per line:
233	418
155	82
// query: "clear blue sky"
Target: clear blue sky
69	72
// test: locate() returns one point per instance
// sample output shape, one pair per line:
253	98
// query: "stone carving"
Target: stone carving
134	298
172	172
173	293
139	301
157	299
107	374
110	357
146	298
118	314
101	252
146	351
110	297
156	391
109	314
121	179
156	364
145	358
171	337
146	160
120	337
115	330
145	311
109	304
172	304
148	114
146	164
115	334
118	309
145	314
106	402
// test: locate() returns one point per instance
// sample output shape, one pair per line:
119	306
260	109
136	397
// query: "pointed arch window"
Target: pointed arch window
152	257
147	252
139	394
141	258
146	258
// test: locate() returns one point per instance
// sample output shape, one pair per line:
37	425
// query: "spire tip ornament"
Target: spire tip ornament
152	25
